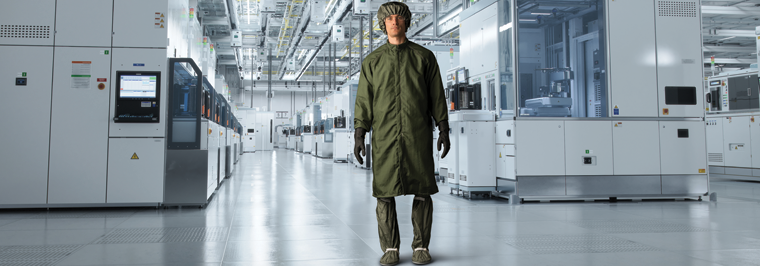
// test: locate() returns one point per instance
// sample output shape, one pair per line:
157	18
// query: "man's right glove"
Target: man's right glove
443	137
359	144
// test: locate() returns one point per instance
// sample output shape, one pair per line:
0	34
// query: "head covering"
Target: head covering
393	8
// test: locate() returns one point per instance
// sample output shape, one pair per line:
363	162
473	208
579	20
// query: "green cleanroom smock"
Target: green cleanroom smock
400	91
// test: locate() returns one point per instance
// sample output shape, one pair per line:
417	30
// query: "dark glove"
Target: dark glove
443	137
359	144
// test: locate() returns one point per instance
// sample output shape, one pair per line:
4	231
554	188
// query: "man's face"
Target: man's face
395	26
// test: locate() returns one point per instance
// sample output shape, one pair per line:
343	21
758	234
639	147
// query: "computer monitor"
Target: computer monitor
138	86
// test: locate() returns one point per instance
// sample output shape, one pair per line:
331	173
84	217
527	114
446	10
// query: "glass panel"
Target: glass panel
561	62
506	93
185	112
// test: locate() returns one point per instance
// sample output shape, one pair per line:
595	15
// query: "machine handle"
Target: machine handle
708	97
509	132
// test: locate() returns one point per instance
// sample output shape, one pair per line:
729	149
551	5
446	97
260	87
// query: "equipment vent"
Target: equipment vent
677	9
25	31
598	91
463	177
715	157
598	111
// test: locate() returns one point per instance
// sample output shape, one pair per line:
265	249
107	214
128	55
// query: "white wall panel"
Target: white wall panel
736	141
124	59
79	147
132	18
632	60
26	136
714	133
679	54
636	147
84	23
588	139
540	148
754	127
27	22
136	180
679	155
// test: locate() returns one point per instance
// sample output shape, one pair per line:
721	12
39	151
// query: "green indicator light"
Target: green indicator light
23	74
587	151
106	52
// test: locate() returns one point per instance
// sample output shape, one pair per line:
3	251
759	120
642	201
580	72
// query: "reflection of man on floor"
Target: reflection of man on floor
400	96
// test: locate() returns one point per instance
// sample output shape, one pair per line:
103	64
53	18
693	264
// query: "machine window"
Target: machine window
561	74
680	95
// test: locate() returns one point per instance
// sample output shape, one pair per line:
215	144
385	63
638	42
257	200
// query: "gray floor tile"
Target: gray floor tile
63	224
694	240
50	237
292	232
749	257
151	253
453	246
297	250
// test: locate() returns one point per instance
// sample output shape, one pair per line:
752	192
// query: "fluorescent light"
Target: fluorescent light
505	27
541	14
527	20
249	11
450	16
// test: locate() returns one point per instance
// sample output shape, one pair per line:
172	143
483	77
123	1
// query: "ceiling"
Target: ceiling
298	36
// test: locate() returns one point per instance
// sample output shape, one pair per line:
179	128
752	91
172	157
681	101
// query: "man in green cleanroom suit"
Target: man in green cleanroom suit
400	97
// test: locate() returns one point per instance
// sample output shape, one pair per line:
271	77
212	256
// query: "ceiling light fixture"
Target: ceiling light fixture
542	14
249	12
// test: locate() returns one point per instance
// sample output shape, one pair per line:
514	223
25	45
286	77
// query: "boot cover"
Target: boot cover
421	256
390	257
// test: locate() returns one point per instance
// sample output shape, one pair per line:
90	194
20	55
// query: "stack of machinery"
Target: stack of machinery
152	132
576	108
733	124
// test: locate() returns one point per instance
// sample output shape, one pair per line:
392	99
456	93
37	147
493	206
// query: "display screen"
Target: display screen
680	95
461	76
715	83
133	86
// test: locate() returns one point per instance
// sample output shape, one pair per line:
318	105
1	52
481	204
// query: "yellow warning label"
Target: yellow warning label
701	171
162	26
500	155
134	156
162	15
162	21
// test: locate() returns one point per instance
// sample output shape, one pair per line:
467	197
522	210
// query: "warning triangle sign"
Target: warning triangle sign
162	26
162	21
500	155
134	156
162	15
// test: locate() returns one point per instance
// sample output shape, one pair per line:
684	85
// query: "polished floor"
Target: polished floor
286	208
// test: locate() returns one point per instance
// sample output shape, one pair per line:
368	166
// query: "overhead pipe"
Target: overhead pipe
346	7
292	48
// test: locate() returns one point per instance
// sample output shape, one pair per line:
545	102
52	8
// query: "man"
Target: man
400	96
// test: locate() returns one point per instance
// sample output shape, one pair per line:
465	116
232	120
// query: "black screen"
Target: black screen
681	95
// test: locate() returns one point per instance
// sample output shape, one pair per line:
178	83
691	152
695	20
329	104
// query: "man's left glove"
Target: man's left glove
443	137
359	149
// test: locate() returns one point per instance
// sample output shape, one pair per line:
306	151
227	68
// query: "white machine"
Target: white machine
733	125
584	110
117	154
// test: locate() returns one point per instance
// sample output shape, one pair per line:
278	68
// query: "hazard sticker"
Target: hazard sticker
134	156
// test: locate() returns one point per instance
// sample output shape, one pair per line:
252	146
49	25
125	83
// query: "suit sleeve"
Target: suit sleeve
437	96
364	98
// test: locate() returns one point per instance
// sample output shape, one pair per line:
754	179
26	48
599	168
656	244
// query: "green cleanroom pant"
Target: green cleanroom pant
387	223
